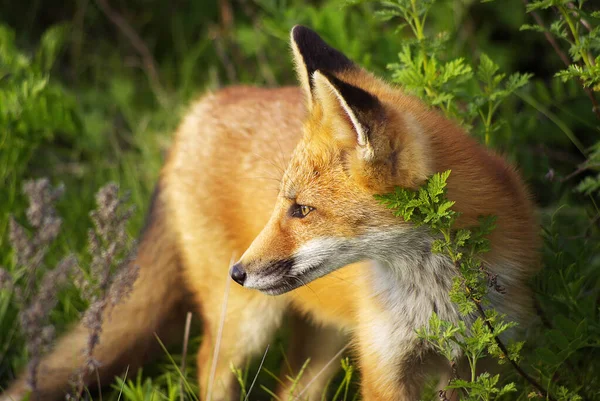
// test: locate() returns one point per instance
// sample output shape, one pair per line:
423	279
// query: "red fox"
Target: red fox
318	244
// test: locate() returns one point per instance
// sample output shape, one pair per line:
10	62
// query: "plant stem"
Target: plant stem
575	33
419	31
186	337
418	24
515	365
488	123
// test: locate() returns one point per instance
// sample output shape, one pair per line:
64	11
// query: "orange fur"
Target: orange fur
220	196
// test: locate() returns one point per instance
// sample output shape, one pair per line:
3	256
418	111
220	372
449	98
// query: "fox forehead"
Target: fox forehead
307	167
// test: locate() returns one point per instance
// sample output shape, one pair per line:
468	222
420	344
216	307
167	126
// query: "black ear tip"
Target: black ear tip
316	53
296	29
300	33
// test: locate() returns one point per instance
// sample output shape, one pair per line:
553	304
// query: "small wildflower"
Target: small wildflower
123	283
21	244
35	317
42	197
29	252
43	218
112	271
493	283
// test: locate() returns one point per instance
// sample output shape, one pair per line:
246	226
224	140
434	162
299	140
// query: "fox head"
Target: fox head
360	139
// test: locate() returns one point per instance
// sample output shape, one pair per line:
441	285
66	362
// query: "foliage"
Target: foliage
448	84
430	207
581	45
580	30
475	342
35	110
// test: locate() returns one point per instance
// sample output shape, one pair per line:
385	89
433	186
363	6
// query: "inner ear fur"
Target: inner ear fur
363	112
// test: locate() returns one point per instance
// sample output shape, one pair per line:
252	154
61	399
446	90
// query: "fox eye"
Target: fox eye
300	211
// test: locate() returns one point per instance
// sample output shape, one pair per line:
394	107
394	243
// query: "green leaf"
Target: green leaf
487	69
51	44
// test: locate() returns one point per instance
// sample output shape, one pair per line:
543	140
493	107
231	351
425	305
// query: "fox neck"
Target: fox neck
412	282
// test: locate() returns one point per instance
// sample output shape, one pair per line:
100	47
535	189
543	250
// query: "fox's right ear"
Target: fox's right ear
311	53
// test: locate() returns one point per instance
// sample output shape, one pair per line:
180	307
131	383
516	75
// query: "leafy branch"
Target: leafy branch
429	206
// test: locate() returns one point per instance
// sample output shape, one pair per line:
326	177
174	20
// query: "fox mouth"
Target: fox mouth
289	282
310	262
275	278
279	288
285	284
279	277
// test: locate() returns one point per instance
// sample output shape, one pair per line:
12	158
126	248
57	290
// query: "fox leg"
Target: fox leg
384	379
250	321
393	361
394	377
320	344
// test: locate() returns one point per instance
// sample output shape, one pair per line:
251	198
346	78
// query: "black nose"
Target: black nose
238	274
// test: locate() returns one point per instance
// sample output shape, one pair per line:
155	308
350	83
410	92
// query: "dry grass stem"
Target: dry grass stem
213	368
320	372
186	337
262	361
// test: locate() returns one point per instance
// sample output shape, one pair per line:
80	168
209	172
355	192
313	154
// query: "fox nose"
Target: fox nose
238	274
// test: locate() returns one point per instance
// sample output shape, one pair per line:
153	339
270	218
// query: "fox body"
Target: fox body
286	178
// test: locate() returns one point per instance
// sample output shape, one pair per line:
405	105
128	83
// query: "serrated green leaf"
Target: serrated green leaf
486	69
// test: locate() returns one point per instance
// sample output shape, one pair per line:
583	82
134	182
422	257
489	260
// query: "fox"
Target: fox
283	180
